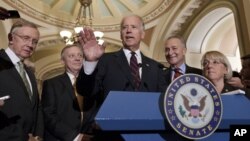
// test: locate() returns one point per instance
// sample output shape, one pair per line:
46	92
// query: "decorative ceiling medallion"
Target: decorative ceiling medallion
105	23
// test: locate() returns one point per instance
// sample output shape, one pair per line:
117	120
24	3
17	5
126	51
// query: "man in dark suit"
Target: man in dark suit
62	107
114	71
20	116
175	50
245	76
242	80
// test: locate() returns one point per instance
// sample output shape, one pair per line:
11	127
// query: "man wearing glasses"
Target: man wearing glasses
27	39
21	115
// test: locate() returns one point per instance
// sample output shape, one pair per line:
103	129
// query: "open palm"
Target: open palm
91	49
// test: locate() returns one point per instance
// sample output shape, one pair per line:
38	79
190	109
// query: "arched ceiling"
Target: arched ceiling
162	18
107	14
52	16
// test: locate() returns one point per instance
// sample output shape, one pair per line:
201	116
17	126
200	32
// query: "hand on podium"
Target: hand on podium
95	126
1	103
34	138
89	136
86	137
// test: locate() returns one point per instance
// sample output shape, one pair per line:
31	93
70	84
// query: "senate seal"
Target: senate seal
192	106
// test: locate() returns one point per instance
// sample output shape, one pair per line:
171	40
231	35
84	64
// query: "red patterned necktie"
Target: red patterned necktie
177	73
135	70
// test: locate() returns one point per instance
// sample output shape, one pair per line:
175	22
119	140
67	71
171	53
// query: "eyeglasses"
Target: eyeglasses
27	39
212	62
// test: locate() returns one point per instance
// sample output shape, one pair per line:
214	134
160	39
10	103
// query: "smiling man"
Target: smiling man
175	50
63	108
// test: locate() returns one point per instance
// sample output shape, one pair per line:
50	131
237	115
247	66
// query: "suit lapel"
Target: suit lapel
120	59
33	85
145	69
188	69
70	89
68	85
8	65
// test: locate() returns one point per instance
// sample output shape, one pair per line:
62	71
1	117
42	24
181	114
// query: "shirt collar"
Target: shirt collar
71	77
13	57
182	68
128	54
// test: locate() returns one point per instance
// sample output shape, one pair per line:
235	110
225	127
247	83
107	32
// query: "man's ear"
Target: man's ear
62	61
10	37
143	35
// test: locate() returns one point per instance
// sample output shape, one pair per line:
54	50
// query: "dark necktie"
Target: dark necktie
177	73
135	70
22	73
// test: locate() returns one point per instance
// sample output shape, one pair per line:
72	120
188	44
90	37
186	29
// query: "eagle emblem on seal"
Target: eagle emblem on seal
193	107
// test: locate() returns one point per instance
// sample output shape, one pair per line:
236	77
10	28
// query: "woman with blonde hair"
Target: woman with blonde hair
217	69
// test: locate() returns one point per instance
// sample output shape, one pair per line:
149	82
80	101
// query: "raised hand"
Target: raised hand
91	49
236	82
31	137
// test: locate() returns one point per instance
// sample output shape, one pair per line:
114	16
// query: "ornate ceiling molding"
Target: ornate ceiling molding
187	15
49	18
48	43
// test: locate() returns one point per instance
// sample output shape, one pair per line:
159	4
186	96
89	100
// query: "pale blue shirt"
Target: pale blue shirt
182	70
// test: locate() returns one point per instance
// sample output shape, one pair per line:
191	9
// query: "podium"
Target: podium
140	116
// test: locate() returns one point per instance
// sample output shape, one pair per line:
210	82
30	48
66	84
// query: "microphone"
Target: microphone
140	65
146	86
126	86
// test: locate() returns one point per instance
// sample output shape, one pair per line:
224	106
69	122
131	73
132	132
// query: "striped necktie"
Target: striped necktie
177	73
135	70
